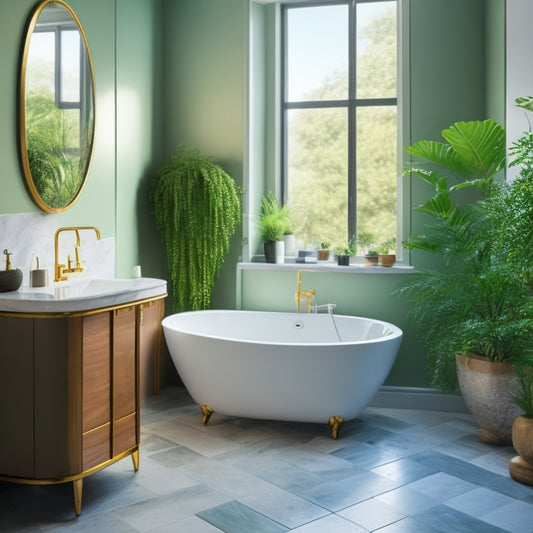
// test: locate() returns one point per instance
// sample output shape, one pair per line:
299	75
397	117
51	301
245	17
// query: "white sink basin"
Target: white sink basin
81	294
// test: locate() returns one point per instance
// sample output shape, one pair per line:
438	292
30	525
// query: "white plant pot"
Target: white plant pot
290	245
280	252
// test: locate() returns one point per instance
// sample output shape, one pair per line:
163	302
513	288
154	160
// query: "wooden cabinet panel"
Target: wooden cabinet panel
96	395
125	434
124	365
152	369
96	446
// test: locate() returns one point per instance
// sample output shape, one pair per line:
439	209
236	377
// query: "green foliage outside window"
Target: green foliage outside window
52	139
318	150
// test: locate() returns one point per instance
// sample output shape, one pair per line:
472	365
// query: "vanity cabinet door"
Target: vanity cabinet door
152	366
96	389
125	429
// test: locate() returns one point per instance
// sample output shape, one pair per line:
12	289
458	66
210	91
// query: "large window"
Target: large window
339	94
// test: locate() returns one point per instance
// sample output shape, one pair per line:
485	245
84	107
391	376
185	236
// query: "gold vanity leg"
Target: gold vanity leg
135	459
336	422
207	412
77	485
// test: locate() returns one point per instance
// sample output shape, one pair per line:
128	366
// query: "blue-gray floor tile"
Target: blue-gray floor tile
233	517
404	470
455	467
444	519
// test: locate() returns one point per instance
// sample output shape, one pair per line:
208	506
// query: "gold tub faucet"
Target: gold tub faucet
307	294
60	270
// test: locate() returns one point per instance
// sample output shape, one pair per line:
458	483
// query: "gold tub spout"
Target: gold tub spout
60	270
335	422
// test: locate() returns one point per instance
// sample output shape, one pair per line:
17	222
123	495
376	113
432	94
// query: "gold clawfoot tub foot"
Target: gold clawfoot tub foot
335	422
207	412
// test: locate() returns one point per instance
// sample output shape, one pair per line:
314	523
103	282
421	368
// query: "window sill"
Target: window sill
327	266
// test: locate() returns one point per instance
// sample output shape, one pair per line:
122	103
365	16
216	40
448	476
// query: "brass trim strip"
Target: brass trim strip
68	314
66	479
92	430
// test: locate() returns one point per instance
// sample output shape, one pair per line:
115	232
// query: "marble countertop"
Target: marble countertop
81	294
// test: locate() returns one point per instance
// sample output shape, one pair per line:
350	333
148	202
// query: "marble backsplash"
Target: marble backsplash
32	234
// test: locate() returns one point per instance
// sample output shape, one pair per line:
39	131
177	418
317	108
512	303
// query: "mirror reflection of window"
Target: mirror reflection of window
69	68
58	104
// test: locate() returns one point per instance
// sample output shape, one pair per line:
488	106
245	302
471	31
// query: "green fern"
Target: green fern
197	209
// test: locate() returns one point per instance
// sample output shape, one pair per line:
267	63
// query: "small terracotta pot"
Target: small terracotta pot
521	467
371	259
322	255
387	260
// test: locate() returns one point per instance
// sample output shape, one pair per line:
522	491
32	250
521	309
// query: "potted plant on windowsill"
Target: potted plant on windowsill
387	253
474	310
323	252
521	466
273	223
345	251
366	241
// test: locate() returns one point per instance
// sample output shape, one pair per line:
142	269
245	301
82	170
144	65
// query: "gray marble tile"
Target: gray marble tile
373	514
479	502
445	519
336	495
455	467
516	517
404	470
366	456
408	500
331	523
233	517
441	487
164	510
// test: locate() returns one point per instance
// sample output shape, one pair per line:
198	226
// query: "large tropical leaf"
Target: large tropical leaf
438	153
479	145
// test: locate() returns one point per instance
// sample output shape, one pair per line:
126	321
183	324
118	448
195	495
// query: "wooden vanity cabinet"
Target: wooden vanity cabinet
70	391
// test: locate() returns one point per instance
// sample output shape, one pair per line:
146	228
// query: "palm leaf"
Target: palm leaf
480	146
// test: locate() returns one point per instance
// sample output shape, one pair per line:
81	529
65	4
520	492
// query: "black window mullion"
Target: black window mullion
352	129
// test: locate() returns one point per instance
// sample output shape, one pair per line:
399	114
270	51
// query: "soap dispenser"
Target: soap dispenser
38	276
10	279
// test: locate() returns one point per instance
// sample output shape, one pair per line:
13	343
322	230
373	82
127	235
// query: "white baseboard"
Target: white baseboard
418	398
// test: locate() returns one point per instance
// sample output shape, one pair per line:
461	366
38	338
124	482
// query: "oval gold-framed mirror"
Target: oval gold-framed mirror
57	106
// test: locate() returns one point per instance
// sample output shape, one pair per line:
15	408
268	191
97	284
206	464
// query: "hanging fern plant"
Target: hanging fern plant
197	208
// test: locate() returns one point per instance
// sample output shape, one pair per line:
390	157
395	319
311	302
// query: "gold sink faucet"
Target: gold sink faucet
60	269
308	294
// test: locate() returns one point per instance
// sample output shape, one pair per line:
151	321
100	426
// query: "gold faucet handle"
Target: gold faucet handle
8	260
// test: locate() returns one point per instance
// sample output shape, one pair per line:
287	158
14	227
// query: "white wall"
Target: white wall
519	75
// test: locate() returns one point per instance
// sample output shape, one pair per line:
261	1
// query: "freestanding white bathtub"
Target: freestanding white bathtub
281	366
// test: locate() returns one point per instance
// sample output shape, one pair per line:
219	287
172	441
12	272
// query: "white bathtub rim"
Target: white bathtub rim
395	331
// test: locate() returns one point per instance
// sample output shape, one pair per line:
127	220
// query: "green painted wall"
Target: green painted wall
204	79
139	134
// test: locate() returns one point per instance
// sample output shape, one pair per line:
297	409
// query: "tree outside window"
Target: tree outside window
340	120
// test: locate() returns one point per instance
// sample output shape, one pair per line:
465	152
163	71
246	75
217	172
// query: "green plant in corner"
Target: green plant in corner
476	300
197	208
